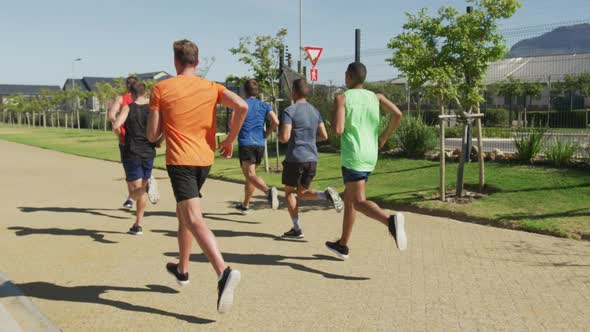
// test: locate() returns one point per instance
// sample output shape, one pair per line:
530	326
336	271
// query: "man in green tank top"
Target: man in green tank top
356	120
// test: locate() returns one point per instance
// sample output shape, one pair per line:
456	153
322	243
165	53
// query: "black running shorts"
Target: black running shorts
251	153
298	174
187	181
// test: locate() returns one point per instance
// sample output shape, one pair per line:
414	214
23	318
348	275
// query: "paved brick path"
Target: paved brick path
63	242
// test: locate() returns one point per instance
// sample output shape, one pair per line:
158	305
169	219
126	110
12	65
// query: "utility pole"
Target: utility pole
300	36
357	45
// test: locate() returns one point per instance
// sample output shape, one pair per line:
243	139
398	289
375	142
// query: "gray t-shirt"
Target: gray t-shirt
305	120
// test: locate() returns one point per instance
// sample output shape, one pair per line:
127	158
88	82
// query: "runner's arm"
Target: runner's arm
240	107
115	108
322	134
396	116
120	120
285	133
235	102
274	123
338	119
154	126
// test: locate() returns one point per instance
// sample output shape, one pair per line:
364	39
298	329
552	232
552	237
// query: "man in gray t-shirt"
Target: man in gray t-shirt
301	127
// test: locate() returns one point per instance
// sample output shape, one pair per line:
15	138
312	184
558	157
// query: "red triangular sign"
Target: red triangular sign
313	54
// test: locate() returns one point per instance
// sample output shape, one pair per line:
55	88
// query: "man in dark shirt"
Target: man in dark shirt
302	127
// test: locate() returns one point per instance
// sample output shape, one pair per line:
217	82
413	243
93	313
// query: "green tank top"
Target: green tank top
360	141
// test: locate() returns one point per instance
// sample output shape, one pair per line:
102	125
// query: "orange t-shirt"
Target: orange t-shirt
187	106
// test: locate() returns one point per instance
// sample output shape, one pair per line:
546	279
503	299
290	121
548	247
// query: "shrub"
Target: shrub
496	117
560	153
529	143
454	131
414	138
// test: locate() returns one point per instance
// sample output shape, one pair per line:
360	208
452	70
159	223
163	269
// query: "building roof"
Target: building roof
540	69
532	69
88	83
27	90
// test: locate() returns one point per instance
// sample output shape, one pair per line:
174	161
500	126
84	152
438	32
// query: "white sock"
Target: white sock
220	276
322	196
296	223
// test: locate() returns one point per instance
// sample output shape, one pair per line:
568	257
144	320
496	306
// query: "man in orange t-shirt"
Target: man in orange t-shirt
183	109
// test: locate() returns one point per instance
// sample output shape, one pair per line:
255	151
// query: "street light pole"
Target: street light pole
300	34
73	80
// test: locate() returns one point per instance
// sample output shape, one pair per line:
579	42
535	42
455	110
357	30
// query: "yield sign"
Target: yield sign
313	53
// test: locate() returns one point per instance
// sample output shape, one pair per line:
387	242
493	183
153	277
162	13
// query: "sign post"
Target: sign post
313	54
313	74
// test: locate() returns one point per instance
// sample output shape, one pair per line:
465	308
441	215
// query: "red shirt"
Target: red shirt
126	100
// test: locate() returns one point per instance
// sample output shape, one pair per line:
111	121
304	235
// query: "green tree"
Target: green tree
509	88
451	52
106	93
261	54
529	91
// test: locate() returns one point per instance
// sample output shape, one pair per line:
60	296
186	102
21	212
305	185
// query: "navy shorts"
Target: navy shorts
136	169
349	175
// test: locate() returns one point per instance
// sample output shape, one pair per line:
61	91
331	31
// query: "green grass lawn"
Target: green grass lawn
536	199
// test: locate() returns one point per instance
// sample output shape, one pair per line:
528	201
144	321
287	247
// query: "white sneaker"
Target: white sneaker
152	191
335	199
397	230
274	198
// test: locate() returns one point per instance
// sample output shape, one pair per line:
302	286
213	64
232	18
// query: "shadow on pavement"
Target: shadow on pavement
97	236
212	216
304	206
94	212
91	294
275	260
221	233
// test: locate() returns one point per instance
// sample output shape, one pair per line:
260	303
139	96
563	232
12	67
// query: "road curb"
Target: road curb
30	317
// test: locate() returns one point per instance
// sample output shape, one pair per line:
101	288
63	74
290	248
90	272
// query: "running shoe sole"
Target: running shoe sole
180	282
300	236
274	194
153	192
338	254
401	239
336	200
226	299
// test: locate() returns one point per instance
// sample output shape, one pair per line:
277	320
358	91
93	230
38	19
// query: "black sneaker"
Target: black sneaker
335	199
397	229
181	279
136	230
273	198
338	249
240	207
294	234
128	204
225	289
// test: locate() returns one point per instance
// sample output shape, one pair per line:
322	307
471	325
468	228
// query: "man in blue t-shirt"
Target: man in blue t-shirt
251	142
301	127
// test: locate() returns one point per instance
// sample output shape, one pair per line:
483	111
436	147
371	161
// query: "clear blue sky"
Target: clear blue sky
41	38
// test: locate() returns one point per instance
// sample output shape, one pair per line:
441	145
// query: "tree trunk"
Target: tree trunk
461	168
28	116
78	118
105	121
91	121
66	121
480	157
52	120
44	119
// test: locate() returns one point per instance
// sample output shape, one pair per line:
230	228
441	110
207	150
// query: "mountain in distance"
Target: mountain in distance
573	39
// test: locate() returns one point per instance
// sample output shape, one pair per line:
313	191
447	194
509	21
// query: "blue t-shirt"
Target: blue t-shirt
305	120
252	132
